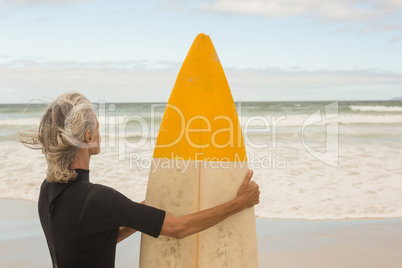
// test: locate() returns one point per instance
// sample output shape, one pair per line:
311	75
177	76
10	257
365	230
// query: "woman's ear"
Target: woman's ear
88	136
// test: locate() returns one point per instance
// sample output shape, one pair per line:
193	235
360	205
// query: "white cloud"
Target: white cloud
24	3
340	9
375	15
126	81
279	78
278	84
153	81
395	39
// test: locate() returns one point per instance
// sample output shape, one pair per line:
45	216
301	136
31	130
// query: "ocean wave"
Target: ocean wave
364	185
370	119
376	108
298	120
20	122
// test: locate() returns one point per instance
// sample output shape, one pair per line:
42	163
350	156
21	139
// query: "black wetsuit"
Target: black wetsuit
81	221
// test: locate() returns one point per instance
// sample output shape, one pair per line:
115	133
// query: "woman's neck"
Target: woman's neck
81	161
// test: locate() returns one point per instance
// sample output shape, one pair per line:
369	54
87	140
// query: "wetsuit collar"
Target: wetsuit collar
54	189
82	174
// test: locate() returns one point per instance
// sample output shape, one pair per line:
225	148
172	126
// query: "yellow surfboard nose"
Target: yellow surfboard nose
200	121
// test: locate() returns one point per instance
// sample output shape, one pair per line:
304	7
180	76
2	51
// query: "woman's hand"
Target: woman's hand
249	193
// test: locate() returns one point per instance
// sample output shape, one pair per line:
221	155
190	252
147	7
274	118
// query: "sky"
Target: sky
131	51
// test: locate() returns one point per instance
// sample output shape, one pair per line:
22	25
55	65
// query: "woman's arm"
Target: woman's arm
125	232
180	227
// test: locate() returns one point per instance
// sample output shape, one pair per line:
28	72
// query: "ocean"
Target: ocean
312	160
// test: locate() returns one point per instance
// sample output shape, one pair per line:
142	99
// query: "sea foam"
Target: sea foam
376	108
295	182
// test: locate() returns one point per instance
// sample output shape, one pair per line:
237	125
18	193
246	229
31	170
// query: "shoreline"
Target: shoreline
262	218
282	243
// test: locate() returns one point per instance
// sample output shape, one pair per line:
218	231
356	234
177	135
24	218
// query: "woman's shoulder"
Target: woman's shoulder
100	194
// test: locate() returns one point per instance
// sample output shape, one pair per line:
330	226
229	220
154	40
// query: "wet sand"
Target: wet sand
281	243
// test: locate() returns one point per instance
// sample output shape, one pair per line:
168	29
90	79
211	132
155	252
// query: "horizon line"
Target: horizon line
235	101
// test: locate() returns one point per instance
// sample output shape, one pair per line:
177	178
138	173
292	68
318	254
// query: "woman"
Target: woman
82	221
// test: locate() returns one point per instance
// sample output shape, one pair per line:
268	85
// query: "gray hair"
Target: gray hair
61	134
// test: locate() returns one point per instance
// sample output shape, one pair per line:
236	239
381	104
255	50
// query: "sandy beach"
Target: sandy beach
281	243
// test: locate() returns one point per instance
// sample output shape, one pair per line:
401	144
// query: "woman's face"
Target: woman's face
96	140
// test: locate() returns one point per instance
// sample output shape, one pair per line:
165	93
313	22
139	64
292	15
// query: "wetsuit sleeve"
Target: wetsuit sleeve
140	217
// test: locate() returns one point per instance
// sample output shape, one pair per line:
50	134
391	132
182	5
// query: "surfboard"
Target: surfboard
199	162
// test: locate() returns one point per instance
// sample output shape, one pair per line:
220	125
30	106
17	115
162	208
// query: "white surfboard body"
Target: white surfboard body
199	162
